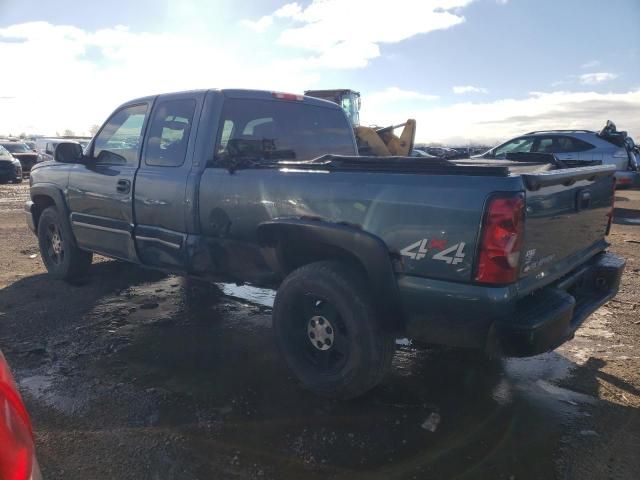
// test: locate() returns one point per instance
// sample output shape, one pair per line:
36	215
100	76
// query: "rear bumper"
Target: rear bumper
551	316
496	319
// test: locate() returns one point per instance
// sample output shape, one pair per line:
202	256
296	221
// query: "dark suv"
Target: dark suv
22	152
10	169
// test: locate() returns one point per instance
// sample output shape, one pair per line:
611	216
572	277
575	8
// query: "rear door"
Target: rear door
100	192
162	203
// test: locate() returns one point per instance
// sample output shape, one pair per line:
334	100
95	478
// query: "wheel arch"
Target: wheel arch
44	196
296	242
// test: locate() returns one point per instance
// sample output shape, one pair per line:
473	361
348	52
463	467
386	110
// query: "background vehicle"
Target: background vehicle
577	148
420	153
444	152
22	152
17	450
30	144
10	168
378	141
360	249
46	147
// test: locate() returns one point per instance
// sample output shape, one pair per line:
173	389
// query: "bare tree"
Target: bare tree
94	129
68	133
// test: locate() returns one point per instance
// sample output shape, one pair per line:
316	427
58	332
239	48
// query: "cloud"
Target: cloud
259	25
498	120
395	94
462	89
596	78
67	77
591	64
502	2
343	34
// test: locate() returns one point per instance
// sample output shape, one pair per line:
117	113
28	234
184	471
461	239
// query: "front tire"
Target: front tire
61	257
326	326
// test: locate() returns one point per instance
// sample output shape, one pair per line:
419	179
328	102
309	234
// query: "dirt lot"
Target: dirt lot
140	375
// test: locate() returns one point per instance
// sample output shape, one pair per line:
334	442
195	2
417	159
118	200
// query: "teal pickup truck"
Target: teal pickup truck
507	256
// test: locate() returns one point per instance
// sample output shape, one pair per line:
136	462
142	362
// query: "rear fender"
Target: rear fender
298	241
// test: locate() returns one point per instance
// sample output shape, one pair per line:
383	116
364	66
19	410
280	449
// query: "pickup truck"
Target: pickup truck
264	188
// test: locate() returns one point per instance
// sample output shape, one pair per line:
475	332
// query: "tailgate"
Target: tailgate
566	221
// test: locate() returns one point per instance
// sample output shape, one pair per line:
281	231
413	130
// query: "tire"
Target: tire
61	257
327	329
18	180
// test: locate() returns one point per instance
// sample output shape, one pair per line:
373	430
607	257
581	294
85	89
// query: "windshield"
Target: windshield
276	130
15	147
4	153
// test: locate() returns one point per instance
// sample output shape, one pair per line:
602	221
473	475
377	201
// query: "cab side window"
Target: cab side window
168	136
119	140
570	145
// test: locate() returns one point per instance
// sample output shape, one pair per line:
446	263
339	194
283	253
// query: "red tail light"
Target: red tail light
501	240
288	96
16	438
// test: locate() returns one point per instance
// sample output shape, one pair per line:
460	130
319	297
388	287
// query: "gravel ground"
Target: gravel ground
136	374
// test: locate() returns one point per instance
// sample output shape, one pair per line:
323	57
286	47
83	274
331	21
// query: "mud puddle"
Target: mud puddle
161	356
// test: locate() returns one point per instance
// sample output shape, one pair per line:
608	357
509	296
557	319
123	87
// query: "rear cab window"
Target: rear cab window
168	137
271	130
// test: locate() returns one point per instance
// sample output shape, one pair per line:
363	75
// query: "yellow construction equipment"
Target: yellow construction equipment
380	142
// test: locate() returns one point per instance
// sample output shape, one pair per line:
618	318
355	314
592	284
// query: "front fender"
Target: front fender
50	191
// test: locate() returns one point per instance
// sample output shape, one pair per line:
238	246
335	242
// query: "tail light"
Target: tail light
287	96
613	202
16	438
501	240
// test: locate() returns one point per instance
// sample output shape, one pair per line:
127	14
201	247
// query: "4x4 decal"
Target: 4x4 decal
418	250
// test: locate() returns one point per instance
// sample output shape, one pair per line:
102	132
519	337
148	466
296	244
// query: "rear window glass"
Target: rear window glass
278	130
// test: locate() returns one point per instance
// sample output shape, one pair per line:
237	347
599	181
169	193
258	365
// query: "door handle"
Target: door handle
124	186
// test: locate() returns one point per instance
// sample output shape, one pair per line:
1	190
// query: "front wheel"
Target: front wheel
61	257
326	327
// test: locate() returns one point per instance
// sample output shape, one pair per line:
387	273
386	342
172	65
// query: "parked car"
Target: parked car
271	192
10	168
577	148
17	448
443	152
30	144
416	152
23	153
46	147
463	152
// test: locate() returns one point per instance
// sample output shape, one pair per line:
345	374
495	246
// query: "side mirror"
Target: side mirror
68	152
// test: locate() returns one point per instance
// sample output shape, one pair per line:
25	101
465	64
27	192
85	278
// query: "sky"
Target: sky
469	71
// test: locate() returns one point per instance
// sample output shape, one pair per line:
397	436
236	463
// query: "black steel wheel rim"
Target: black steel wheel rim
319	335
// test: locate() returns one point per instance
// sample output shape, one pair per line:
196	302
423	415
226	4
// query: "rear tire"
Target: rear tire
328	331
61	257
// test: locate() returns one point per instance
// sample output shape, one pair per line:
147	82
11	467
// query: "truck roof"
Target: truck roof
243	93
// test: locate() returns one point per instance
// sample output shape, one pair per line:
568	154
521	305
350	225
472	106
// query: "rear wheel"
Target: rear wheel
328	331
61	257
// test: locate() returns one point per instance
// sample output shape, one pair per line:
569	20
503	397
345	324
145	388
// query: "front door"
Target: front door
100	191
